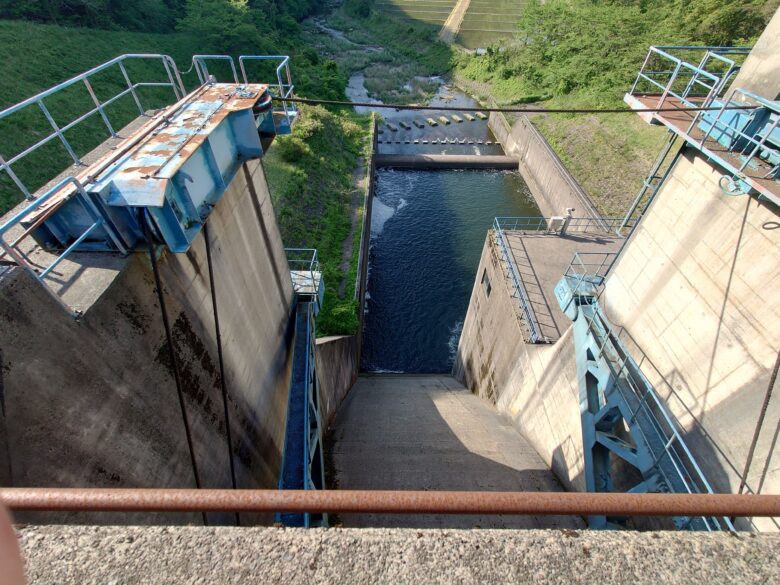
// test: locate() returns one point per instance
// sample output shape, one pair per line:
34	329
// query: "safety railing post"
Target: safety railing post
60	135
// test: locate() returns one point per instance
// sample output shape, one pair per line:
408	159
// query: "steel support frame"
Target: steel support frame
622	417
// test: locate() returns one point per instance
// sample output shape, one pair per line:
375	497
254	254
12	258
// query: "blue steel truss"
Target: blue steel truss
624	421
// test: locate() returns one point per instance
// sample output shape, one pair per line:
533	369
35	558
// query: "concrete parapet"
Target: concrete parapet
156	555
337	370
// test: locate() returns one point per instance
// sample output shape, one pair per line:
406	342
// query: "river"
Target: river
427	233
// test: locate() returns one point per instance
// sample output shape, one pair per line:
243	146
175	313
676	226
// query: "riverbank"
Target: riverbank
312	175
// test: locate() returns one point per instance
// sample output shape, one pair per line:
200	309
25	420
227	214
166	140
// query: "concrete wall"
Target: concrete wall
94	403
535	385
761	71
696	289
337	370
365	233
551	184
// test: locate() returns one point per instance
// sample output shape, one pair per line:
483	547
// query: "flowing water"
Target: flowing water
427	233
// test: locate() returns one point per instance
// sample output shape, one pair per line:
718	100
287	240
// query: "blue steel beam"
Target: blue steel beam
622	416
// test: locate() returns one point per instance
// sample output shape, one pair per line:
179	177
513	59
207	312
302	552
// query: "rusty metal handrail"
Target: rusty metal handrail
388	502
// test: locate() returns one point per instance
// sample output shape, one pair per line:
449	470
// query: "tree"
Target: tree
226	25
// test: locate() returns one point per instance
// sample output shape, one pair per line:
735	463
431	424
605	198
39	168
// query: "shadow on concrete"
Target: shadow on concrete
430	433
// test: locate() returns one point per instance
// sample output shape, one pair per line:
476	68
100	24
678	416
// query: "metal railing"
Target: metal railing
669	75
282	89
304	269
11	248
561	225
591	267
114	66
764	144
693	85
527	314
55	499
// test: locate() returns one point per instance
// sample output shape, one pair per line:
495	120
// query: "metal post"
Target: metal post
99	106
15	179
131	88
59	133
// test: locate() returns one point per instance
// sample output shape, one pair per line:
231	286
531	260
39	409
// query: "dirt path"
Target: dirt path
451	26
359	189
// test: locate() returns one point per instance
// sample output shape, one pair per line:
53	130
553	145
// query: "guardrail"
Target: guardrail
591	267
561	225
282	89
762	140
113	67
12	250
665	74
305	270
527	313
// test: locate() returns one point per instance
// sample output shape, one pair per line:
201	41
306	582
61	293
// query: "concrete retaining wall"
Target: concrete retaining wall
337	370
94	403
551	184
534	385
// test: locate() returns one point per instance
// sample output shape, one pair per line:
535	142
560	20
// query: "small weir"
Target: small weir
438	187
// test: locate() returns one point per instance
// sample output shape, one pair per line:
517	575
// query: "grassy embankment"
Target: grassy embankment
319	157
310	180
592	65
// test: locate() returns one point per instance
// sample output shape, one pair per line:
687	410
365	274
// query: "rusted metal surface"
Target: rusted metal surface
389	502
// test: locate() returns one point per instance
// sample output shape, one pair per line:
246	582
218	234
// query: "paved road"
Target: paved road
430	433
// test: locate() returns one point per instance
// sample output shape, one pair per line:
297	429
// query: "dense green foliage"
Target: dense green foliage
586	53
592	48
310	176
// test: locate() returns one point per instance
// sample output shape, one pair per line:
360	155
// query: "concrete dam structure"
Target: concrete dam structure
168	411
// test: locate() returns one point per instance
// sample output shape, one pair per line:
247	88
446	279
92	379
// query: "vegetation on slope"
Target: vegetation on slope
310	175
309	188
591	65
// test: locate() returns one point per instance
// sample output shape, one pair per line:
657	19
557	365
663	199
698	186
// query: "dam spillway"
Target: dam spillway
427	232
